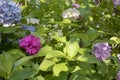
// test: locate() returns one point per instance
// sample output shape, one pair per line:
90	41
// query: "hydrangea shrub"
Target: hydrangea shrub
71	40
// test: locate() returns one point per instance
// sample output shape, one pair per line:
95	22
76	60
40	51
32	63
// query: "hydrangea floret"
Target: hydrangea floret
27	27
76	6
118	75
118	56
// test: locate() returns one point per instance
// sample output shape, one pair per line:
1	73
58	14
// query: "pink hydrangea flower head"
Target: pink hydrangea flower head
76	6
102	51
30	44
116	2
118	75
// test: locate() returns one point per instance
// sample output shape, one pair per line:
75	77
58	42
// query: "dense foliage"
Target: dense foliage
59	39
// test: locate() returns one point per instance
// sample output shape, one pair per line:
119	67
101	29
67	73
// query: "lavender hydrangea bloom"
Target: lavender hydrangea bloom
10	13
118	76
118	58
102	51
30	28
76	6
30	44
116	2
96	1
71	13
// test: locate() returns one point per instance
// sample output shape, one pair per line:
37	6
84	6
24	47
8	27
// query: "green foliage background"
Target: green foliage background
67	56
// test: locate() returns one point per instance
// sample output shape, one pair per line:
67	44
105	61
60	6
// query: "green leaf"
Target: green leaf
59	68
0	38
115	40
59	39
72	48
88	58
103	69
21	61
46	64
84	50
62	76
96	76
6	62
79	75
40	32
7	29
17	53
92	35
43	51
40	78
84	11
83	37
21	32
55	54
23	74
85	67
49	77
66	21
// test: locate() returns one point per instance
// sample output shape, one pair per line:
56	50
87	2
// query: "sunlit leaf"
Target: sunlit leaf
43	51
46	64
55	54
88	58
59	68
84	50
72	48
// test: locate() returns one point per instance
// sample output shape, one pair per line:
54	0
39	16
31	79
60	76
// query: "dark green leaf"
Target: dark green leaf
23	74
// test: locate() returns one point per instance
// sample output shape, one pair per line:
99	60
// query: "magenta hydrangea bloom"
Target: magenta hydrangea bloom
102	51
116	2
75	5
30	44
118	75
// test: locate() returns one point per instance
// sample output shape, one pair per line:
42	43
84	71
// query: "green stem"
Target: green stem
25	2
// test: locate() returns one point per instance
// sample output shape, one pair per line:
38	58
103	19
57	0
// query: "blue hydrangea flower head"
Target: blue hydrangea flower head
102	51
30	28
10	13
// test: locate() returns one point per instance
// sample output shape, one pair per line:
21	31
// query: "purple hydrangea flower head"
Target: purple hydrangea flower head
116	2
30	44
10	13
102	51
76	6
71	13
118	75
30	28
